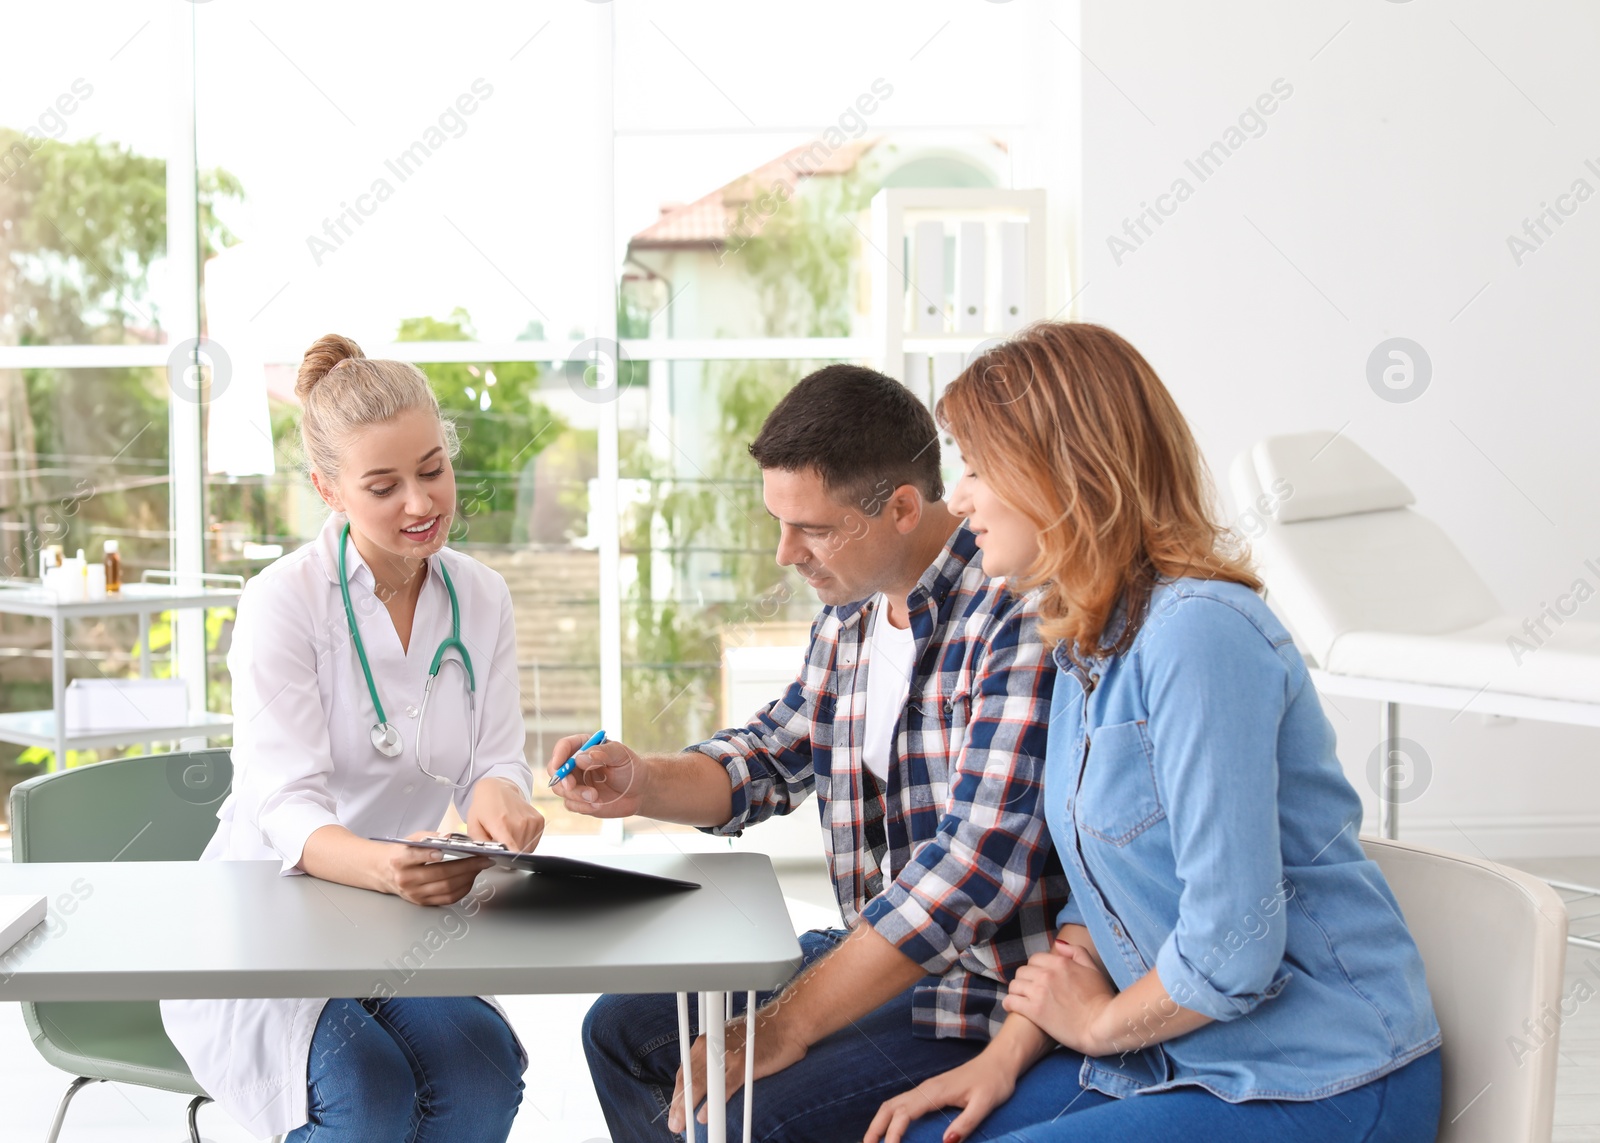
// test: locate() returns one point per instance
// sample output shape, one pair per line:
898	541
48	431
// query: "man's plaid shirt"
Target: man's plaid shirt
976	884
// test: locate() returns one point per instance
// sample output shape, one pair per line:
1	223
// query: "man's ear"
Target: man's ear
330	494
904	508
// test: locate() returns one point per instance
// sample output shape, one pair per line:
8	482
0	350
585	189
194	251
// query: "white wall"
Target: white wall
1377	203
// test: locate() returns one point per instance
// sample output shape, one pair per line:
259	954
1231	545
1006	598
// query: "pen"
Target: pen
571	764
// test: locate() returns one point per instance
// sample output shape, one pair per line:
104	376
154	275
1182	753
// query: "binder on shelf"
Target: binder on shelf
971	287
928	298
1013	276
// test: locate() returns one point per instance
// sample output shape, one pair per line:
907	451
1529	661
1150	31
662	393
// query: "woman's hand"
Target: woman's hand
1065	993
501	812
425	876
977	1087
421	876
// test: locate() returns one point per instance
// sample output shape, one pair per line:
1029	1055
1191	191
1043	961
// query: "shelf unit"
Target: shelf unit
155	593
957	270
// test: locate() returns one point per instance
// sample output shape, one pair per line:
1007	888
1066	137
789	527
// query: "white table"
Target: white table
48	728
193	930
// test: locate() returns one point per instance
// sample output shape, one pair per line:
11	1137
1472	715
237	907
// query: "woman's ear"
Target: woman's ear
330	494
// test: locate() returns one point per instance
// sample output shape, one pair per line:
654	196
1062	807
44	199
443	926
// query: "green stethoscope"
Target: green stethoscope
385	738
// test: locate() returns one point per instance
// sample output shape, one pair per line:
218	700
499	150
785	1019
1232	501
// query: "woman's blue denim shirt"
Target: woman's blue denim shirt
1209	833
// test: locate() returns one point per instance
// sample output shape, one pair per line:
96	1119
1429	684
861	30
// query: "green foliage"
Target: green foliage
84	452
801	267
82	224
803	260
502	424
78	414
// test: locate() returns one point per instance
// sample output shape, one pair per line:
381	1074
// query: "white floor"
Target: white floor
560	1105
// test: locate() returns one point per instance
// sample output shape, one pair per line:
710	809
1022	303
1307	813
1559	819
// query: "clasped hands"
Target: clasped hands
1066	994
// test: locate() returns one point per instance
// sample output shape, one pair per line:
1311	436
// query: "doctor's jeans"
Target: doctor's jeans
415	1069
832	1094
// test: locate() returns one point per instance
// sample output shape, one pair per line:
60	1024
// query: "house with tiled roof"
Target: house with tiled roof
736	211
689	254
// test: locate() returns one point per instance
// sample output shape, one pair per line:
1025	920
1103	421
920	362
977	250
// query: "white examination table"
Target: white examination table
1383	606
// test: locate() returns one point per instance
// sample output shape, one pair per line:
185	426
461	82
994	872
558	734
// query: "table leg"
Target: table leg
749	1061
1388	774
58	688
712	1016
685	1050
716	1068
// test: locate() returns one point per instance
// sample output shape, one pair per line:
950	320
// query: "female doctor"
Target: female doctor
374	679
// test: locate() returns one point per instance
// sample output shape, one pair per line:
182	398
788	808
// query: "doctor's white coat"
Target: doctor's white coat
303	758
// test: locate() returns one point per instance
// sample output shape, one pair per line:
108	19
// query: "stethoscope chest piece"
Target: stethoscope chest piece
386	739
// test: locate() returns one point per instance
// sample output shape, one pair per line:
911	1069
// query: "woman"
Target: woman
1229	965
341	736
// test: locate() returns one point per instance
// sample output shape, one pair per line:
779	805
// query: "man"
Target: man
919	722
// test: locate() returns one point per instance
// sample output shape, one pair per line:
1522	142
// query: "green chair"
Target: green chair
161	807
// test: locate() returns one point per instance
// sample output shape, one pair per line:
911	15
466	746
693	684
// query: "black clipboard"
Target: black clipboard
544	863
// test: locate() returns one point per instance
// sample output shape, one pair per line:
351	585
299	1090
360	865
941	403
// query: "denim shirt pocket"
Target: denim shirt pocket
1117	797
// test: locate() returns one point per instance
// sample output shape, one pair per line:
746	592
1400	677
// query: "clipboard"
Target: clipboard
544	863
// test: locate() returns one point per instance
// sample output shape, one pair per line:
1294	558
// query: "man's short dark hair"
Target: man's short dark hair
865	434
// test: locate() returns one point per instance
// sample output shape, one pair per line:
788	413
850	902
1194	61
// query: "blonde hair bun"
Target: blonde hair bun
326	353
367	392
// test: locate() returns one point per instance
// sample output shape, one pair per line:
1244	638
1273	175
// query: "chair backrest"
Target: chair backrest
1341	550
1494	943
159	807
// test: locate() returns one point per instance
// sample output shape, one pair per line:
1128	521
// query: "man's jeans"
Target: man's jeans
832	1094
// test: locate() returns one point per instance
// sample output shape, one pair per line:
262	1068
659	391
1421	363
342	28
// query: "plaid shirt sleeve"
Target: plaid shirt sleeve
769	758
992	843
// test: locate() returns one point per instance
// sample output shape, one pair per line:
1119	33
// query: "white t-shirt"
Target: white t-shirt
890	661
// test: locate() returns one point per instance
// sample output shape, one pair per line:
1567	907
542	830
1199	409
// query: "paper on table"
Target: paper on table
17	916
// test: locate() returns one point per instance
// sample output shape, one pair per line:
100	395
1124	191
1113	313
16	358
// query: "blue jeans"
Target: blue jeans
416	1069
832	1094
1050	1107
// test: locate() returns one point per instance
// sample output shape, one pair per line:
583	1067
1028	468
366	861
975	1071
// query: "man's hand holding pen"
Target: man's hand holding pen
604	780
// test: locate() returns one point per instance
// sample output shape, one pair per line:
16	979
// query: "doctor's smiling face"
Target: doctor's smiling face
396	484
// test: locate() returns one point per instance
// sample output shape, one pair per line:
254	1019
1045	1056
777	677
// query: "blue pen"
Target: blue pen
571	764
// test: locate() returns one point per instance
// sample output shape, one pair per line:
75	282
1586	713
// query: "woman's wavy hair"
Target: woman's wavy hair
1068	424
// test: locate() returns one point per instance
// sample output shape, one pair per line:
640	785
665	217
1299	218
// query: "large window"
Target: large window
613	235
84	397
